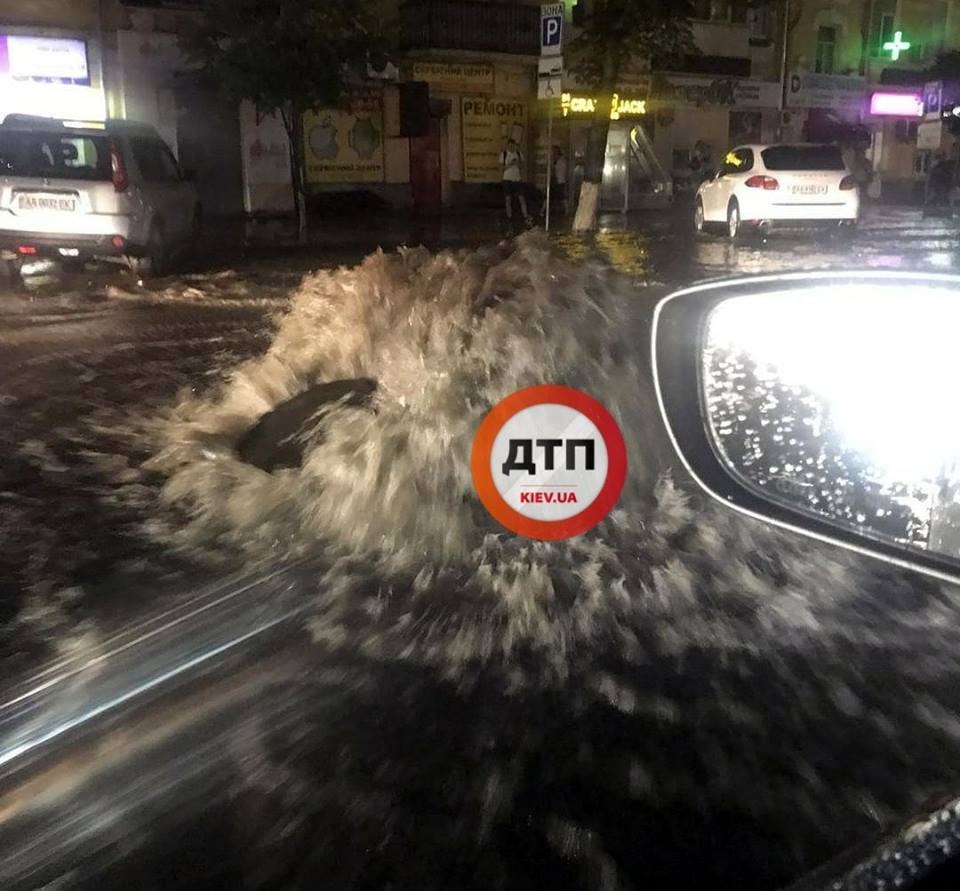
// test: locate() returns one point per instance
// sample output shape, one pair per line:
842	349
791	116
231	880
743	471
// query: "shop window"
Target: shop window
826	50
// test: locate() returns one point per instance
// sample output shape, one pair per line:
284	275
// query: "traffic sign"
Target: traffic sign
550	77
551	29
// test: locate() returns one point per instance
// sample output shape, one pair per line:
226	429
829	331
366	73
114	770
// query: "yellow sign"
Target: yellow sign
345	146
454	76
487	123
619	108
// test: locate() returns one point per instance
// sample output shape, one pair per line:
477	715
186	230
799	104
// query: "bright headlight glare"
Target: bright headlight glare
882	359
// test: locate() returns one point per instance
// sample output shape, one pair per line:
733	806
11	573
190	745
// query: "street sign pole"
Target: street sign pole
551	45
546	220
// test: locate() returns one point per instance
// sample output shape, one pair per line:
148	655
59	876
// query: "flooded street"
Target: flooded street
683	698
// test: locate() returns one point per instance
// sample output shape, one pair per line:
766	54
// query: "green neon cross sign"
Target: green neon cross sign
896	45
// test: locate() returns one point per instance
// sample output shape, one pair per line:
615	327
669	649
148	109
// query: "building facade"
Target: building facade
847	64
863	62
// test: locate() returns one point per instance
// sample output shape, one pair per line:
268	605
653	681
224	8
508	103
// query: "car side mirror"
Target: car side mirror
907	857
824	403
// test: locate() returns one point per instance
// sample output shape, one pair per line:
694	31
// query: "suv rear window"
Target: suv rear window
55	155
802	157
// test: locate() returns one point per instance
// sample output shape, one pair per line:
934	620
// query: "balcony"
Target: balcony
475	27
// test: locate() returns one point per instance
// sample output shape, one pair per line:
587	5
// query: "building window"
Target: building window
738	11
826	50
883	29
718	10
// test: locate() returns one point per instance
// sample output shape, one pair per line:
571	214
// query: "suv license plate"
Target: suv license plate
65	203
809	190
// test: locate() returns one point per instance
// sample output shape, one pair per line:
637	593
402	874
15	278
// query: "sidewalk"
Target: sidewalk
391	229
456	228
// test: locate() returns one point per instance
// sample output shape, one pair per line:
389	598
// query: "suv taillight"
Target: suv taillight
848	183
118	168
762	182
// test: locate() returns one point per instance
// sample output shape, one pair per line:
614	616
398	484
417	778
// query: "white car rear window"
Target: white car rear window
802	157
55	155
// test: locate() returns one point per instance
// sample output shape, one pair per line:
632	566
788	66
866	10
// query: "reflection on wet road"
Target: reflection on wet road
667	697
670	252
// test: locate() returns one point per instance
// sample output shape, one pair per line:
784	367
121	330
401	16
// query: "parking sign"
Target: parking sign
551	29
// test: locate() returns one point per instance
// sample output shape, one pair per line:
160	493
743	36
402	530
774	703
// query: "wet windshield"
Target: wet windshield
343	542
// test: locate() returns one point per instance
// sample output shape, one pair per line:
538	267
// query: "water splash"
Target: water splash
730	659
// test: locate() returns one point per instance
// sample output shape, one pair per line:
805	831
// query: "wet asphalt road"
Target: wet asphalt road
80	352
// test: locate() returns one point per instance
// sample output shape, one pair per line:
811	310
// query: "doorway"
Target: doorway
426	174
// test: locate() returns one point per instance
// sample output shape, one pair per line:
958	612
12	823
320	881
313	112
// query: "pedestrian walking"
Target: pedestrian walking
511	165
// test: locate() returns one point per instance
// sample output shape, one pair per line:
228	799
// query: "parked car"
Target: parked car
758	186
76	190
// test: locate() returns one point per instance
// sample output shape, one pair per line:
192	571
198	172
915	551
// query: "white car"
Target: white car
75	190
762	185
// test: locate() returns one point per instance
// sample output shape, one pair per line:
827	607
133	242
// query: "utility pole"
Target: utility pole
784	40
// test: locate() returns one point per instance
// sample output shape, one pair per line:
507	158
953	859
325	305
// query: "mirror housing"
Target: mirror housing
822	402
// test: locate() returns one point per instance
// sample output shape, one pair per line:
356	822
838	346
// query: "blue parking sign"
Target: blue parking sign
551	28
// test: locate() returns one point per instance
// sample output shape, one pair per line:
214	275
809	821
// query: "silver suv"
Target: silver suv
75	190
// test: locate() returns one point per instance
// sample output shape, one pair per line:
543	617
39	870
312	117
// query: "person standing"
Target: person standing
558	181
511	166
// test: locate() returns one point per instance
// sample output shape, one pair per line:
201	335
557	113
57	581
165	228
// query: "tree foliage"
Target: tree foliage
618	33
288	56
285	54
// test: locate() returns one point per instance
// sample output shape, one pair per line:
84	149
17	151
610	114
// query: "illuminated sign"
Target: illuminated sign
903	105
896	45
619	108
44	59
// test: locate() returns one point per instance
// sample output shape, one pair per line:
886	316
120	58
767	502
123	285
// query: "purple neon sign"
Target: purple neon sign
903	105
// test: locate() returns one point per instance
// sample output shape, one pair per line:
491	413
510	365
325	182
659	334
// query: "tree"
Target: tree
616	33
286	56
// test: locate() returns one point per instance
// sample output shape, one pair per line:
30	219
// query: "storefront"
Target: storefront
894	115
820	105
487	104
703	117
52	75
933	134
632	177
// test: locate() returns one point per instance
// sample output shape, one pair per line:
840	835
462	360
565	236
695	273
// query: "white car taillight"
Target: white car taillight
118	169
762	182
